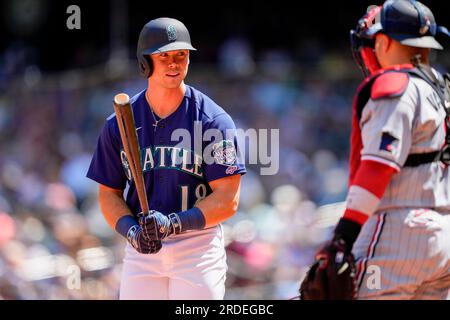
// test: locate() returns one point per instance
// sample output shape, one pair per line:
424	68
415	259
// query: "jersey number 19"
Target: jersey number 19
200	193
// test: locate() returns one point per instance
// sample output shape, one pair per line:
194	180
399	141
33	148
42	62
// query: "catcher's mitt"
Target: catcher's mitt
332	275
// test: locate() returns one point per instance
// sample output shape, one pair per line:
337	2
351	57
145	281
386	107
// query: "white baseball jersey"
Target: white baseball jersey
392	129
403	250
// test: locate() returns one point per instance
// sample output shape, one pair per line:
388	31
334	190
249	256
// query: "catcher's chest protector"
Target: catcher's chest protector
390	83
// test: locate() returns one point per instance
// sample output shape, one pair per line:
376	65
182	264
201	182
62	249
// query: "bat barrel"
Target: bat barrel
121	99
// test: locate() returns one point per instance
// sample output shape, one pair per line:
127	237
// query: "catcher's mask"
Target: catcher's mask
363	44
407	21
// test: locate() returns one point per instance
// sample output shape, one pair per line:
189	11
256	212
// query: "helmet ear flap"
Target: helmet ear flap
145	66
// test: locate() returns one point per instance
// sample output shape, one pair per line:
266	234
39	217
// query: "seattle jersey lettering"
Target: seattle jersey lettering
166	157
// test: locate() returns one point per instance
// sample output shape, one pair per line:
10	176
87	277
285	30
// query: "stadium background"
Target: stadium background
269	65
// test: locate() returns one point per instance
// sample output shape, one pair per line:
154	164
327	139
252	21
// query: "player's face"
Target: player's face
170	68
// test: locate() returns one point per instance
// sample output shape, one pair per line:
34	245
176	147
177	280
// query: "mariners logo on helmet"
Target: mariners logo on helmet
171	33
424	29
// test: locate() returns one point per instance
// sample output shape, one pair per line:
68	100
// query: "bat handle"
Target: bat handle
144	205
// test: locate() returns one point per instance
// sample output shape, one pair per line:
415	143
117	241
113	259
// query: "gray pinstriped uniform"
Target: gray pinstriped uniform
403	250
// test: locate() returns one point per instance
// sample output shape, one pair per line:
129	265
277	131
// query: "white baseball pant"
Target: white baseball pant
404	254
190	266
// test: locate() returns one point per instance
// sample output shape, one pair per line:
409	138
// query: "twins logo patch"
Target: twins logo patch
171	33
388	142
224	152
125	165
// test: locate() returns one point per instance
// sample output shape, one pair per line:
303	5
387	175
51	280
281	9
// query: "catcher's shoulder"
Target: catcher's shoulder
391	84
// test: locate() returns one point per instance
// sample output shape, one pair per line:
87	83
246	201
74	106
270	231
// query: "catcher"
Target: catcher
397	217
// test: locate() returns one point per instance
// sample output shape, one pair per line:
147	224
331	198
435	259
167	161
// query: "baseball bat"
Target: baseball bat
127	128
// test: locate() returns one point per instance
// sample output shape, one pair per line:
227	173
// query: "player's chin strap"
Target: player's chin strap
442	88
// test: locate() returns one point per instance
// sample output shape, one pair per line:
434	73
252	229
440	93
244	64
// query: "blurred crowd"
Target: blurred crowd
54	242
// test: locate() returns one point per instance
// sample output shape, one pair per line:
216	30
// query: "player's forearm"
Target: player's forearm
112	205
371	180
218	207
364	196
120	219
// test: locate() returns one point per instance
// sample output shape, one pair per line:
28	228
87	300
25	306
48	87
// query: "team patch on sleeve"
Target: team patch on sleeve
224	152
388	142
125	165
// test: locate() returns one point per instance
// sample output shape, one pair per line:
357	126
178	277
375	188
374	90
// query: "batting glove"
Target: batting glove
138	241
158	226
130	229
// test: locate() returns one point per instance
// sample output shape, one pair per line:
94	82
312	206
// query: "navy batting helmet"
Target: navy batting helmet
161	35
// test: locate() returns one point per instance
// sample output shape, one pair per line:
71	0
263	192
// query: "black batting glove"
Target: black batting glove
157	226
138	241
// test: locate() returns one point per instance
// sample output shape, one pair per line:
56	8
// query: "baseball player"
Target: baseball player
175	251
397	219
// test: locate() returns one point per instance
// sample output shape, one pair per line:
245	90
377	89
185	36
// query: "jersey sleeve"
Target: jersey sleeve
222	157
386	130
106	165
